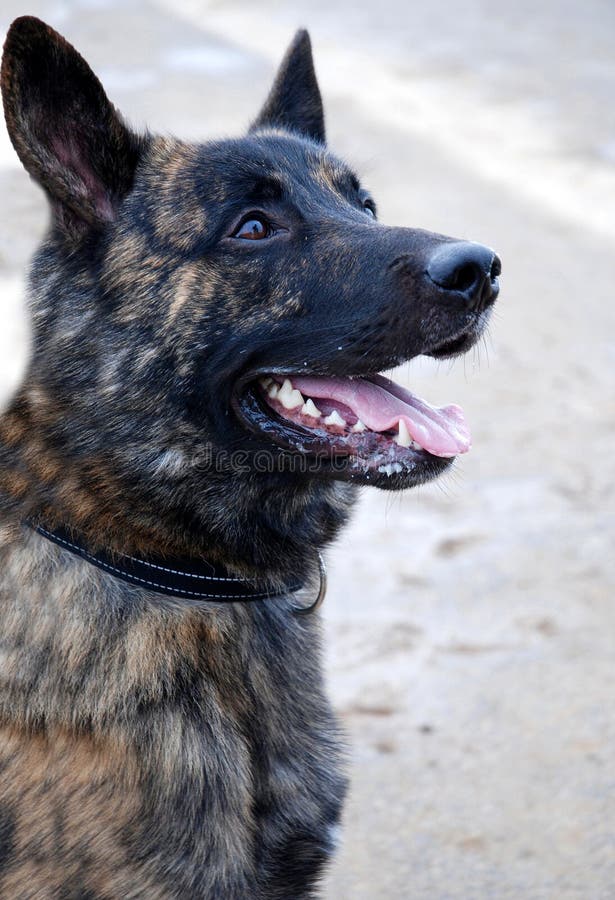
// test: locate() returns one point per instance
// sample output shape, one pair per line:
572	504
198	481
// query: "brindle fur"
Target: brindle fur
149	748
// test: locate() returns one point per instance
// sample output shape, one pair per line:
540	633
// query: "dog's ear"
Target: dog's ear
294	101
65	131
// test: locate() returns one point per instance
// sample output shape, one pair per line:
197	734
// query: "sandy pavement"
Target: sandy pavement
470	625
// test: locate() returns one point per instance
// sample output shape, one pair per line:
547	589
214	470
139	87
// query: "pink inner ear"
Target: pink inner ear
71	157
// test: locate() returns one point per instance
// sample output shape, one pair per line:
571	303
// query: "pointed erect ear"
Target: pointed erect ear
64	129
294	101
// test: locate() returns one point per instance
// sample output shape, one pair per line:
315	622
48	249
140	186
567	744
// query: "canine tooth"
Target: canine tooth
309	408
288	396
274	390
403	436
293	400
335	419
359	426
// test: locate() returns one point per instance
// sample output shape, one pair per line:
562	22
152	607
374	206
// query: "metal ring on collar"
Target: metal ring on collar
322	590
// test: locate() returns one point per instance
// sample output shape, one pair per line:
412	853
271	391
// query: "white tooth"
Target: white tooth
359	426
310	409
292	400
403	436
288	397
390	469
335	419
274	390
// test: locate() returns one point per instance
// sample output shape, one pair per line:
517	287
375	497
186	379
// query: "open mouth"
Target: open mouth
364	428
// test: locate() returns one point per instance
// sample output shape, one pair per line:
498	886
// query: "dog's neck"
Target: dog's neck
193	581
255	529
96	639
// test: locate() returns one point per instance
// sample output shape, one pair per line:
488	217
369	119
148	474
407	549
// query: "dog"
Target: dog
201	404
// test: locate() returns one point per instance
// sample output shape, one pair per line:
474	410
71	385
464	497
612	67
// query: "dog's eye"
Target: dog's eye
254	228
370	207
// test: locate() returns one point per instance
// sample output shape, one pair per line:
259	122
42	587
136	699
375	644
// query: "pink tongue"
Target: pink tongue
380	404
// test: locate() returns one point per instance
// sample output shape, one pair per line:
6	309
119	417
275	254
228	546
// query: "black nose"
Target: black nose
467	269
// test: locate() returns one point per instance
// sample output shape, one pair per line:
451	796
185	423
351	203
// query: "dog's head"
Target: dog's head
223	309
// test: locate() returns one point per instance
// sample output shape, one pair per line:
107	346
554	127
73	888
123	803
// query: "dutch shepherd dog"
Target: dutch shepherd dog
201	403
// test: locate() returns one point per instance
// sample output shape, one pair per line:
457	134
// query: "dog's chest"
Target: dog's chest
264	783
196	750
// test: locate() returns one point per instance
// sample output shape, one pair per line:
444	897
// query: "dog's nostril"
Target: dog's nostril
468	269
464	278
496	268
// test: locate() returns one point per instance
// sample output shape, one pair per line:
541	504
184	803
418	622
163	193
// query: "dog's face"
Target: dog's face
201	310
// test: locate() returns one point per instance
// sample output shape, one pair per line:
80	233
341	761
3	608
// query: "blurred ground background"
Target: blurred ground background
470	625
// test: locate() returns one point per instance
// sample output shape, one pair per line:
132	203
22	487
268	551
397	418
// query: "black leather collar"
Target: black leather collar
193	579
